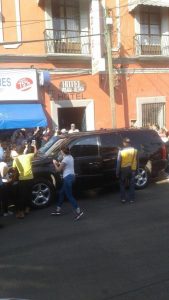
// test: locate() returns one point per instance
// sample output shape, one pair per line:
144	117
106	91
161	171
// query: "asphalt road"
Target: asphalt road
117	251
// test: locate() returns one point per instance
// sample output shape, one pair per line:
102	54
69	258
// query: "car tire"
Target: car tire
141	178
42	193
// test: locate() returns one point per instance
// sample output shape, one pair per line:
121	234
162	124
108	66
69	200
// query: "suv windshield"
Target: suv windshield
48	145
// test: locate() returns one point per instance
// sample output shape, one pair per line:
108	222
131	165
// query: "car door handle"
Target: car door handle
107	159
94	163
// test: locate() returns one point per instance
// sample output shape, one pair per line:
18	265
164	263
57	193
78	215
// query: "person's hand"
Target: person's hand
55	162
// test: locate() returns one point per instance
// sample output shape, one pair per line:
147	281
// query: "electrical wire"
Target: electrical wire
51	39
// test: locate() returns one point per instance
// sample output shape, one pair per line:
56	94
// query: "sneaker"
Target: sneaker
5	214
55	213
9	213
123	200
131	201
78	216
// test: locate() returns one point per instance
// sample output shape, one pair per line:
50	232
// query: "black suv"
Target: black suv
95	155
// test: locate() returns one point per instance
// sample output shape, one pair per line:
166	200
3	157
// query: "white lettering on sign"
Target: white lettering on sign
4	81
72	86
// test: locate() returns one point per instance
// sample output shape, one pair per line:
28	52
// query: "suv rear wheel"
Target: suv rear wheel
141	178
42	193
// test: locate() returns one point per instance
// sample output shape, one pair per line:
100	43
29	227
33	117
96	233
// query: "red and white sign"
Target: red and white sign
18	84
24	84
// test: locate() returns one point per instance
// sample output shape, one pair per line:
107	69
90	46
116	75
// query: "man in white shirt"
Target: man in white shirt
73	128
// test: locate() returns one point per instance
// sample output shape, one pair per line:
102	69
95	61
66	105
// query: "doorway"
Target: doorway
68	115
81	112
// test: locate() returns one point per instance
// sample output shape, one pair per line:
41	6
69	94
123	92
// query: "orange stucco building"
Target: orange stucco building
63	38
141	61
68	40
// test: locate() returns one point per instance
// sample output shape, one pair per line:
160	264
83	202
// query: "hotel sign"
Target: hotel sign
72	86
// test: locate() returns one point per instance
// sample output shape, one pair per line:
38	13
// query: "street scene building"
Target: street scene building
140	37
63	43
96	63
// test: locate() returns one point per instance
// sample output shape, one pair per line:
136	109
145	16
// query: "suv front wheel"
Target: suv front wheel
42	193
141	178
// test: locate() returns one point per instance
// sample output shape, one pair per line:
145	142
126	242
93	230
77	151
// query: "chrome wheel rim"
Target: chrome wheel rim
141	178
40	194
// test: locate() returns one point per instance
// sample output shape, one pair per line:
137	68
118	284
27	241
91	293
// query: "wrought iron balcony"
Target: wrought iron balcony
67	41
151	44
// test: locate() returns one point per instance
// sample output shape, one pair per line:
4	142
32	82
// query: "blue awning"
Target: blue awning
22	116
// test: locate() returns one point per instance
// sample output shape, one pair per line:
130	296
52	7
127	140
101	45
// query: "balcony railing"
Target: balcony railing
67	41
151	44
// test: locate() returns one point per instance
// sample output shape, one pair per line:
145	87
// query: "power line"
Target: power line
51	39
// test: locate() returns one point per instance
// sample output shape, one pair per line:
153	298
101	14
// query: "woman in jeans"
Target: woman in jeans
67	167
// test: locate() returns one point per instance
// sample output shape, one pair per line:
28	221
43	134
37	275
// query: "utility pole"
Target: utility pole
108	39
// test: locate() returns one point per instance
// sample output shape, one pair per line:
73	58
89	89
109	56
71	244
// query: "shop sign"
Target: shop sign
72	86
18	84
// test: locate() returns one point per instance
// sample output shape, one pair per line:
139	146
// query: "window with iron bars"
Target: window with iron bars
153	113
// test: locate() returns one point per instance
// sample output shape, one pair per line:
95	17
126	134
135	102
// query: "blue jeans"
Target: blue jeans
127	180
66	189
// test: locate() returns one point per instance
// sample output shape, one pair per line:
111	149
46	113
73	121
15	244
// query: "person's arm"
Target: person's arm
118	163
58	166
25	151
34	148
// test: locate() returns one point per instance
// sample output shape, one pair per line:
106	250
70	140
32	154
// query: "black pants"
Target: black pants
5	191
127	179
24	197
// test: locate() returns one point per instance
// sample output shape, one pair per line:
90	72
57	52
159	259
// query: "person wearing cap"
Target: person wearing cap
127	162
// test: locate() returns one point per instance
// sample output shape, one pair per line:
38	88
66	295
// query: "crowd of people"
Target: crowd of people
16	174
21	138
162	131
17	178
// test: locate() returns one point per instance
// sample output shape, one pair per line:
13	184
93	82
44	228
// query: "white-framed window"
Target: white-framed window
152	31
151	110
66	20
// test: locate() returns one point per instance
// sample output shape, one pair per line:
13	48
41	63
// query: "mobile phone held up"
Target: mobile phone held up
33	143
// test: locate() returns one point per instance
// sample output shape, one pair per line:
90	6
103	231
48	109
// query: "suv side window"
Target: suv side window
85	146
143	140
110	142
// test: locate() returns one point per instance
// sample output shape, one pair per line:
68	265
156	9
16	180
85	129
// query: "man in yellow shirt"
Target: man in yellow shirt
127	162
23	163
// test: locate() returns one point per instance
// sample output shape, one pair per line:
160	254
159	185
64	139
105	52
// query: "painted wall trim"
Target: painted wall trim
18	27
143	71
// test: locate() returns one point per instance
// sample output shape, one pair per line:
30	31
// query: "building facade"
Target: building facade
140	54
63	42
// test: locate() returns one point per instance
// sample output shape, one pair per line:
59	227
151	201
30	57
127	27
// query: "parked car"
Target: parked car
95	155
